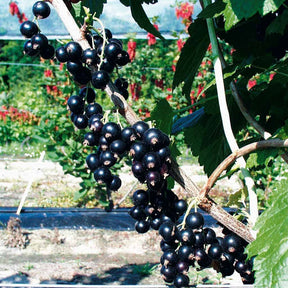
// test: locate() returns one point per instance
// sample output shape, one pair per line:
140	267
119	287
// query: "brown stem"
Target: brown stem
216	211
271	143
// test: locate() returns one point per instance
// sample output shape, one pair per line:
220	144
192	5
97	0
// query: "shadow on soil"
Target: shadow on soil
130	274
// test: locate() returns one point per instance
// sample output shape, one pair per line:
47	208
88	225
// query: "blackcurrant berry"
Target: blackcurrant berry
74	67
128	135
142	226
48	53
186	236
215	251
41	9
115	183
232	243
168	273
186	253
28	29
39	41
91	139
75	104
140	128
181	280
210	235
92	161
167	231
140	197
80	121
202	258
103	143
29	50
199	239
164	246
169	257
138	150
95	124
155	223
107	158
122	58
182	266
100	79
93	108
107	66
118	147
151	161
108	33
111	51
111	131
74	51
61	54
180	206
195	220
154	180
103	175
138	171
137	213
90	57
226	269
88	93
83	76
154	138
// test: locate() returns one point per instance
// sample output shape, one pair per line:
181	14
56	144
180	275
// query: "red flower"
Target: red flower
271	76
48	73
251	83
180	44
132	49
185	12
151	37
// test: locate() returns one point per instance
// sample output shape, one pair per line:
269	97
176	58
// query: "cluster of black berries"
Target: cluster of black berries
105	56
85	112
38	42
199	247
148	147
93	64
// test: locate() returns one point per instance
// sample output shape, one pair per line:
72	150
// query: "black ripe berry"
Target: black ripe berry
167	231
210	235
215	251
118	147
140	197
111	131
232	243
195	220
76	104
100	79
122	58
80	121
74	51
115	183
92	161
88	93
142	226
138	150
128	135
39	41
41	9
61	54
103	175
28	29
181	280
154	138
151	161
47	53
93	108
140	128
111	51
168	273
180	206
90	139
74	67
137	213
83	76
90	57
107	158
29	50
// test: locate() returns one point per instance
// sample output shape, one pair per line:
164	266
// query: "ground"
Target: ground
92	256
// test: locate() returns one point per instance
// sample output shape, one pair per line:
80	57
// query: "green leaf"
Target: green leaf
272	241
261	157
141	18
237	10
212	10
237	198
95	6
191	56
163	116
279	24
77	12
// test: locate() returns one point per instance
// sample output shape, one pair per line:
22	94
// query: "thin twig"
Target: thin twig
271	143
